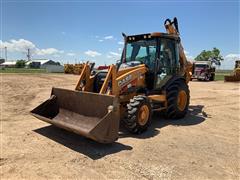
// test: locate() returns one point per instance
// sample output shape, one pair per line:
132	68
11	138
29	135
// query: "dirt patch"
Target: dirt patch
203	145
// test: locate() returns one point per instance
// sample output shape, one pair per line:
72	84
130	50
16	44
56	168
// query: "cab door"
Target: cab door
167	61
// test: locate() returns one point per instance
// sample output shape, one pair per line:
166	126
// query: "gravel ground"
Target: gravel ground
203	145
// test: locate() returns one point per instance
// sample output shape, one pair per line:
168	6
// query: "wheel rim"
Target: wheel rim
143	115
182	100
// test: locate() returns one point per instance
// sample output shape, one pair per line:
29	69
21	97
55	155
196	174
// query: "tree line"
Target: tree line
213	55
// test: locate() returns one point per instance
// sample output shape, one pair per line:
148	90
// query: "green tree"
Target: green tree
20	63
58	63
214	56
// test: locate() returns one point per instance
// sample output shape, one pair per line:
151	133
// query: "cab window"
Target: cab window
167	60
167	55
143	51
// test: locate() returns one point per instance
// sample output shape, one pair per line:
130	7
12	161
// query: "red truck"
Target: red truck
203	70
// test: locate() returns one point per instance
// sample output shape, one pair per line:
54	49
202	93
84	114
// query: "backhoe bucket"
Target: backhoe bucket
92	115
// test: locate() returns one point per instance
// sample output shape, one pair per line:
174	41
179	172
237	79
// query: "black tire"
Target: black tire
212	78
173	90
98	82
131	121
207	78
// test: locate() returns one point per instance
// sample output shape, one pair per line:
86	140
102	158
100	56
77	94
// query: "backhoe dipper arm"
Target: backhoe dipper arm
172	28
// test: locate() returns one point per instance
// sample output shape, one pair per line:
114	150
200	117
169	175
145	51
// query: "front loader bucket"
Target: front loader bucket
92	115
232	78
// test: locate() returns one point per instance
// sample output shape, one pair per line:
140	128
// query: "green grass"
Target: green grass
219	76
22	70
224	71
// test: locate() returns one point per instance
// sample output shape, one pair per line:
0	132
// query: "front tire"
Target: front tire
139	114
177	100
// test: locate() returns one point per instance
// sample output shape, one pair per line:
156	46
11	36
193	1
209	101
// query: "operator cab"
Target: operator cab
202	66
158	51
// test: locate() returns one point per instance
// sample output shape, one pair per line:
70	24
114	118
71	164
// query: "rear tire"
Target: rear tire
212	77
139	114
177	100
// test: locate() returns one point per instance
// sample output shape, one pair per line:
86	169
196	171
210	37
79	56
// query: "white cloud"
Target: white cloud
191	58
188	56
119	49
108	37
229	61
71	54
22	45
48	51
120	42
232	57
92	53
115	54
100	40
56	55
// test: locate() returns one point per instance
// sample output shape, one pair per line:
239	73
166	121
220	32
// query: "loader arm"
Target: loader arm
115	82
85	80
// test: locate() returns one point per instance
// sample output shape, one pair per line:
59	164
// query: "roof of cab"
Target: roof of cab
151	35
202	62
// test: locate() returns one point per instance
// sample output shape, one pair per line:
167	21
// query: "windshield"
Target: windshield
201	65
143	51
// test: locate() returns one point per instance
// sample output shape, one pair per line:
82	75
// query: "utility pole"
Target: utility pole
5	53
28	54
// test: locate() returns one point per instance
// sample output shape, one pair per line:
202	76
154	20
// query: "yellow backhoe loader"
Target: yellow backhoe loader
235	75
152	75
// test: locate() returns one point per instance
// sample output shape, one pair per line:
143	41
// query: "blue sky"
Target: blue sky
70	31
